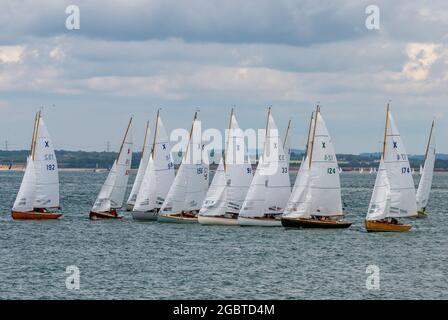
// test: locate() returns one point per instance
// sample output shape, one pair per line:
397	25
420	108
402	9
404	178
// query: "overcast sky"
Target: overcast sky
130	57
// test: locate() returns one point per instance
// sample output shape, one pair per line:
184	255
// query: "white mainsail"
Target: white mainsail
402	188
159	174
111	195
46	169
324	185
379	207
237	167
270	188
190	185
146	152
424	188
233	176
25	197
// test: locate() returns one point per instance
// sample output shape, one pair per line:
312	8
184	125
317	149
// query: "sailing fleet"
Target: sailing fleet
237	194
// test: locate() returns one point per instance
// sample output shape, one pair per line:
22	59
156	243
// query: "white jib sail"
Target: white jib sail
215	203
380	203
160	177
403	199
146	152
270	188
424	188
25	197
102	202
238	168
46	169
325	184
299	202
123	169
190	185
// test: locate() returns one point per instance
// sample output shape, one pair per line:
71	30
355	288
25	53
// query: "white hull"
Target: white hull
129	207
259	222
144	216
217	221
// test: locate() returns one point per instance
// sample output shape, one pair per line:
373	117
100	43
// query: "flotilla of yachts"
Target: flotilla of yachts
236	195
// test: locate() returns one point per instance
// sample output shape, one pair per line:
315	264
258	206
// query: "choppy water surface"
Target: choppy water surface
130	260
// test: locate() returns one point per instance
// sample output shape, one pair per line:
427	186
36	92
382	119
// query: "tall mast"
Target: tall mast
314	135
266	133
309	134
385	131
124	138
155	133
228	139
429	141
287	132
35	134
144	139
191	133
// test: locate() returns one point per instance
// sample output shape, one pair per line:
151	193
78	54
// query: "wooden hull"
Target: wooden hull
18	215
376	226
103	215
144	216
259	222
314	224
176	218
220	221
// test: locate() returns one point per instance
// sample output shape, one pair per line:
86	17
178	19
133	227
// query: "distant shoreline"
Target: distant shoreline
294	167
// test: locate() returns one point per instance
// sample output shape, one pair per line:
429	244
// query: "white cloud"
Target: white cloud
10	54
421	58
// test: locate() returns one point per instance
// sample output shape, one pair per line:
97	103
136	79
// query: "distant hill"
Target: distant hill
84	159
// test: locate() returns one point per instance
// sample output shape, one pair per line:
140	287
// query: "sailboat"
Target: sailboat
111	195
361	170
394	192
316	198
158	177
146	152
420	170
231	182
270	188
185	197
39	192
371	171
424	188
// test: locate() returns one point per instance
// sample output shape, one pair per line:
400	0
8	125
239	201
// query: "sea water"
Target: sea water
133	260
